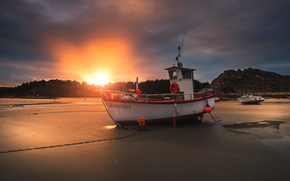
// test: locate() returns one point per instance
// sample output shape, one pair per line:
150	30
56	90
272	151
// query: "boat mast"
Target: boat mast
179	64
137	84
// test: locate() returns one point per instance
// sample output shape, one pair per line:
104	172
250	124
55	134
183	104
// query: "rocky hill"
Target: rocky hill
232	82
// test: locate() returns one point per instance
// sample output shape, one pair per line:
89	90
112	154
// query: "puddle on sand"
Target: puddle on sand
259	124
277	142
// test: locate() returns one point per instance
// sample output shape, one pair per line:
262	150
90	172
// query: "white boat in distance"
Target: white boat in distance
183	103
250	99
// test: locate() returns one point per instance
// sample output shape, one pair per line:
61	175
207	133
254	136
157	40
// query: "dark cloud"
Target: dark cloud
221	34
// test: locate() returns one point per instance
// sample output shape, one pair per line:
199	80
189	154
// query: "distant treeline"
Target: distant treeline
67	88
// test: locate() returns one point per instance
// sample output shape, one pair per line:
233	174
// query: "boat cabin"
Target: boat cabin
181	81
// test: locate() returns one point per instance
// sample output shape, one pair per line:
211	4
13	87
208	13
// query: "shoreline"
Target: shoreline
278	95
269	95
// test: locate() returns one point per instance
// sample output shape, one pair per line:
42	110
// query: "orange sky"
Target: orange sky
82	62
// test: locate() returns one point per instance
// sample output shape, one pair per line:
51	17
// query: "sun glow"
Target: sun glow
98	61
99	79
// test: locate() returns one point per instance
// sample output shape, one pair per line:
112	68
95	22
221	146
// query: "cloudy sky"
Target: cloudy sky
125	39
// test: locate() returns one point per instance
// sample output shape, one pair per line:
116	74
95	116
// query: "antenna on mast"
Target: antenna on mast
183	36
179	64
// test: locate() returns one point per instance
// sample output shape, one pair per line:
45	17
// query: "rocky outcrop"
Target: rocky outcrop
250	81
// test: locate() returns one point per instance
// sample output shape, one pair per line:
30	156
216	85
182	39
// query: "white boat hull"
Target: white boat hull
251	100
127	112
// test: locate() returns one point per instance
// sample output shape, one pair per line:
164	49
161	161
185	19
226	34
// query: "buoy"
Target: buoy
207	109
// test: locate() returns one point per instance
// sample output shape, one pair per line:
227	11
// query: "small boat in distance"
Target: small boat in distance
250	99
126	108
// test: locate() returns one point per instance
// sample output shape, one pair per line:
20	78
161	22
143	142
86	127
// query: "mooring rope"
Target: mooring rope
216	120
78	143
69	144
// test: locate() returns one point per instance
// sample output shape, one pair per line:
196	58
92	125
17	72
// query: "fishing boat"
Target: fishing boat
250	99
182	103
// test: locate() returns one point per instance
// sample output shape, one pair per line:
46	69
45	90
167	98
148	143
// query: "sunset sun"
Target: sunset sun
99	79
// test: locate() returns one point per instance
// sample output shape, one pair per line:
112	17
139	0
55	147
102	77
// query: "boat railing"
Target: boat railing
112	94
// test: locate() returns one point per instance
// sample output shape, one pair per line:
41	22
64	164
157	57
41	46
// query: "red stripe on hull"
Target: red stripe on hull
158	102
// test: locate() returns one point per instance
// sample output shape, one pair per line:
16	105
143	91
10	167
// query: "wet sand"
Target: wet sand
75	139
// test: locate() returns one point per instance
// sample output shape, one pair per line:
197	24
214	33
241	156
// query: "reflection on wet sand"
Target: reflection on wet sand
259	124
75	139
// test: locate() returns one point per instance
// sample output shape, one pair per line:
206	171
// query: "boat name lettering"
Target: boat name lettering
122	106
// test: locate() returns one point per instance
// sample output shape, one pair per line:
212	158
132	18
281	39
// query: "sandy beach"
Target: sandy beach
75	139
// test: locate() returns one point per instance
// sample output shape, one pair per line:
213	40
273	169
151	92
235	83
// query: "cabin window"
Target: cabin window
186	74
172	74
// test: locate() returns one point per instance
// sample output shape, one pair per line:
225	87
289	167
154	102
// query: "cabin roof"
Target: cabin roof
182	68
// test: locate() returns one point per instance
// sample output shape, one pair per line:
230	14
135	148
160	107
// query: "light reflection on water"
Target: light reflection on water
110	126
